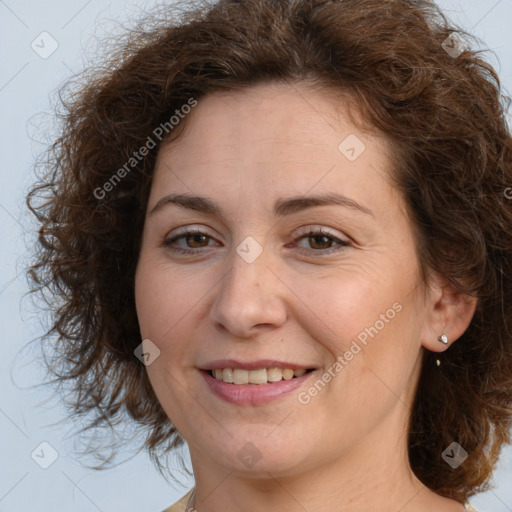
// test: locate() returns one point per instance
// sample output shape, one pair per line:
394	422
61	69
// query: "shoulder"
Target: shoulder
469	508
180	505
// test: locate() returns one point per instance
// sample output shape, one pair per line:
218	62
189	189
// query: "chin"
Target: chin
257	455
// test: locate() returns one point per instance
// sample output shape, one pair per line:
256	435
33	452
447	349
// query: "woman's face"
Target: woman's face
301	257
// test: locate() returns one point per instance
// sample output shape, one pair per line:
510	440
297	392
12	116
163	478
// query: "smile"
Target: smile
244	393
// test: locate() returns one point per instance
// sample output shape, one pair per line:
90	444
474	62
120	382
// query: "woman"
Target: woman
281	232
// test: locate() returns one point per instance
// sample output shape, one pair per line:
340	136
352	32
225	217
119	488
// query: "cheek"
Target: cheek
162	295
371	319
340	306
148	300
162	302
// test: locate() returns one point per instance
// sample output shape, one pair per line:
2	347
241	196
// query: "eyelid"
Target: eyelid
181	233
188	230
317	228
341	243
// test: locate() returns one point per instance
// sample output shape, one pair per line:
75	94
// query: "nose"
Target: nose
250	298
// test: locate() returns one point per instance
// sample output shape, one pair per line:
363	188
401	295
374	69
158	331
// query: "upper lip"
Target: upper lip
253	365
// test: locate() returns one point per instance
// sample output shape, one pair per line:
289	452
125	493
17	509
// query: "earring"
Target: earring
443	339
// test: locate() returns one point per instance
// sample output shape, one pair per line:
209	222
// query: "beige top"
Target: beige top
180	505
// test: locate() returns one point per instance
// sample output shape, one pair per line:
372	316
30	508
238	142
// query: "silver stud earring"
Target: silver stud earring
443	339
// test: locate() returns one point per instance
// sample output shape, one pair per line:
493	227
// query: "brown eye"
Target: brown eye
190	241
196	240
321	242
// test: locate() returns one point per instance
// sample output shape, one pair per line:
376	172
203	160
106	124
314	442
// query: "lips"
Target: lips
242	392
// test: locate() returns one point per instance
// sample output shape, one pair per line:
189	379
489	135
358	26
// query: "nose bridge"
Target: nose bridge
249	294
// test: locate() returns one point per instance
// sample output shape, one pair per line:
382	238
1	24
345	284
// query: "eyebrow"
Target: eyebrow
282	207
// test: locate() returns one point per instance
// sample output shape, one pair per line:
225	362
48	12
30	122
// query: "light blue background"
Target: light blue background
26	420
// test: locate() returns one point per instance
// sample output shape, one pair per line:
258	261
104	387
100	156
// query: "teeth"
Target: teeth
240	377
226	375
260	376
274	374
287	374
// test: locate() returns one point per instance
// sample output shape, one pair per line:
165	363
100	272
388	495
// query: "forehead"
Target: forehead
271	137
276	113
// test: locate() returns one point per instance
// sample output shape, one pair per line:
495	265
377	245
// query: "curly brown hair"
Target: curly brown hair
444	115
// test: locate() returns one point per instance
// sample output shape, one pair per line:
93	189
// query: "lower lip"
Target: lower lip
253	394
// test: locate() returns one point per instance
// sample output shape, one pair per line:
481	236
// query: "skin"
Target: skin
345	450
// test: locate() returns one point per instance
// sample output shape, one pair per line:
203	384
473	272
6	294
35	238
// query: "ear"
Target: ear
449	312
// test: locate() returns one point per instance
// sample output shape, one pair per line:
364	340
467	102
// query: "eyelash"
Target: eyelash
341	244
